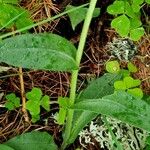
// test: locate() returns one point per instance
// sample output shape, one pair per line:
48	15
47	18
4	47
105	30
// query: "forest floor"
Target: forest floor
57	84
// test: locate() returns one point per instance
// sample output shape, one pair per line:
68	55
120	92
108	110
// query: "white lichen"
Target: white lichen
130	137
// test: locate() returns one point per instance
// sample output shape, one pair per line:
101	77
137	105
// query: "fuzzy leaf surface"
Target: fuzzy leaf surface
5	147
39	51
122	106
96	89
34	140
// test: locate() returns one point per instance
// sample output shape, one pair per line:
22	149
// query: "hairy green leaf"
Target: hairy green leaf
39	51
122	106
34	140
96	89
78	16
5	147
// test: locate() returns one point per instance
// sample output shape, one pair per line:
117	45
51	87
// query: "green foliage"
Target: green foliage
127	22
127	83
13	16
34	140
35	100
78	16
63	106
5	147
39	51
132	67
119	105
96	89
52	52
12	101
113	66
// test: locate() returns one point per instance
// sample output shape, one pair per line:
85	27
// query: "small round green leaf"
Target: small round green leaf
116	8
122	25
132	67
33	107
125	73
138	2
45	102
113	66
35	94
136	92
137	33
120	85
130	82
136	8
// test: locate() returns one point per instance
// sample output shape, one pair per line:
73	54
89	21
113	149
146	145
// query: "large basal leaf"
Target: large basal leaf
39	51
5	147
122	106
32	141
96	89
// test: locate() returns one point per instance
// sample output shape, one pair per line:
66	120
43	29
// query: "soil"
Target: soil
57	84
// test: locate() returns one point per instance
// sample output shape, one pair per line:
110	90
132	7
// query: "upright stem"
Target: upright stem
75	72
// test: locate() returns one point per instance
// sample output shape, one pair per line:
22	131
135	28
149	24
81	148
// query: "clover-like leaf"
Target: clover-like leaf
132	67
113	66
116	8
137	2
120	85
122	25
130	82
45	102
136	7
135	23
33	107
12	101
137	33
136	92
125	73
35	94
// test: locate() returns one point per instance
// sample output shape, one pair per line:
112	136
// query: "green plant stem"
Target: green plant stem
41	22
75	72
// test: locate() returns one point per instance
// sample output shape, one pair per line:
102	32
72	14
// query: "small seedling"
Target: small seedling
12	101
127	83
127	22
35	100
